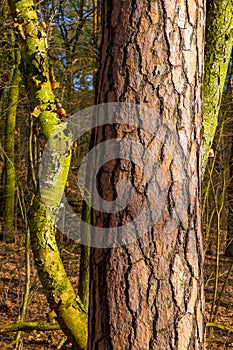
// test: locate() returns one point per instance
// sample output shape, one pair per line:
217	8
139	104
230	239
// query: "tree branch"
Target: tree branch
219	326
29	326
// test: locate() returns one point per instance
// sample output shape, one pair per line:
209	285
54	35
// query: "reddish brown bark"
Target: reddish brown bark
148	294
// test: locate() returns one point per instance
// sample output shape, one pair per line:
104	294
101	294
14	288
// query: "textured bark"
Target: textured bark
149	294
70	313
9	173
219	35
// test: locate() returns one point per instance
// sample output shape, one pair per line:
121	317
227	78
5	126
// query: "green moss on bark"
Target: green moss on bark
71	315
9	174
219	34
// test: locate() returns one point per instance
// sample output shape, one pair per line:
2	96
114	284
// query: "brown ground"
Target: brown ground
12	278
223	339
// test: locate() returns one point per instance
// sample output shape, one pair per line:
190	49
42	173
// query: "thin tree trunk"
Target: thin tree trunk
84	268
148	294
9	174
95	22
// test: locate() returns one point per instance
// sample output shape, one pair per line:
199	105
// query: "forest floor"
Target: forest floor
216	338
12	284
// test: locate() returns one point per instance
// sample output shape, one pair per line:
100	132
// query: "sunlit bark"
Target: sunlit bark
149	293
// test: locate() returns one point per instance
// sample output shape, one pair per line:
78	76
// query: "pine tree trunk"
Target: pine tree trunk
148	294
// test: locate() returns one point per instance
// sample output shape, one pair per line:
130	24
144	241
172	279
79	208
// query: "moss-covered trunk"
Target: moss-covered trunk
9	174
57	287
219	34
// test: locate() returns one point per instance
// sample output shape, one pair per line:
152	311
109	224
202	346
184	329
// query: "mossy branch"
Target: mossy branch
219	326
29	326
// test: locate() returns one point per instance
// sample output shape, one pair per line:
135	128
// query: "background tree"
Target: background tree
9	154
8	100
72	50
217	212
218	178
